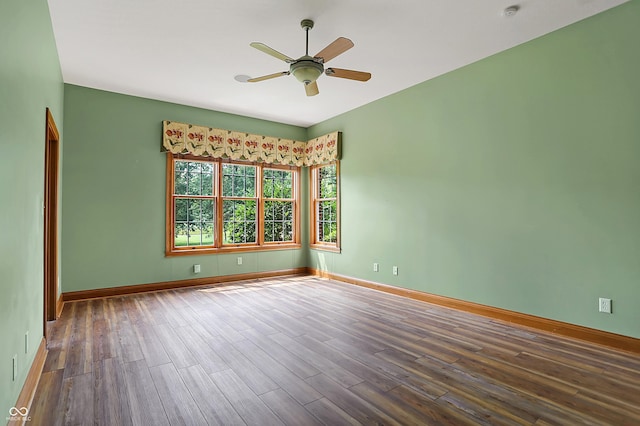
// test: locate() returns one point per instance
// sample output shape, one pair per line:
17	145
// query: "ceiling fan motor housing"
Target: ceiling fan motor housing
306	70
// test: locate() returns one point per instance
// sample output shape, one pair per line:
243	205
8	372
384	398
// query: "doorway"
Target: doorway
51	171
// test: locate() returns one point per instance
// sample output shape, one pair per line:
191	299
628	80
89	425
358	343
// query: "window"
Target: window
279	205
325	207
194	203
239	204
217	205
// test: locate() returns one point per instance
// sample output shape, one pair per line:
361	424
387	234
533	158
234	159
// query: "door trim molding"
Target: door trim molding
51	175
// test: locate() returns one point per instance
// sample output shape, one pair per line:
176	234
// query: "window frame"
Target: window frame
295	199
313	207
214	197
218	246
244	198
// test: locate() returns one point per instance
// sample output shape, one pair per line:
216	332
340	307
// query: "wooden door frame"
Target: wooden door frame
51	171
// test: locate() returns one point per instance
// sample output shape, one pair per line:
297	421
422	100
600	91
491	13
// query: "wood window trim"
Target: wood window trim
295	194
218	247
257	188
313	242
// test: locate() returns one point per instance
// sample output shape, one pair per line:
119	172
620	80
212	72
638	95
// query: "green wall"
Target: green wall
513	182
30	81
114	193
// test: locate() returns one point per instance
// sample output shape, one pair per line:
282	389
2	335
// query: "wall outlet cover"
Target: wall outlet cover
604	305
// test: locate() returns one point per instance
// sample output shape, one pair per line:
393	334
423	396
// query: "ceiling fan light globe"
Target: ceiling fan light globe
306	71
307	75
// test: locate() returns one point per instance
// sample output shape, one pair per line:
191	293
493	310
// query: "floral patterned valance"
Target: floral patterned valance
182	138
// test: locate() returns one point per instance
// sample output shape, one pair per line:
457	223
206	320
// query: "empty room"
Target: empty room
320	212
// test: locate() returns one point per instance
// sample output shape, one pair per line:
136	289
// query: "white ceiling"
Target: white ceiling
189	51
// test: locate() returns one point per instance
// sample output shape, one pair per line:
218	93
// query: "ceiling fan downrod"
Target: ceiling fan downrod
306	25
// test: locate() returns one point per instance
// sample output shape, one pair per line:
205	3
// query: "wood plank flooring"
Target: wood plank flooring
306	351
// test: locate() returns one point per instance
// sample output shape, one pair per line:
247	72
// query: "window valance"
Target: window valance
182	138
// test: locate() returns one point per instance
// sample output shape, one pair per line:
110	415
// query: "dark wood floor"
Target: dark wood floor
305	351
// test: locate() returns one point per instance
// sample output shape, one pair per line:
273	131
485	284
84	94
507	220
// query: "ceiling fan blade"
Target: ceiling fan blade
338	47
350	74
269	51
268	77
311	88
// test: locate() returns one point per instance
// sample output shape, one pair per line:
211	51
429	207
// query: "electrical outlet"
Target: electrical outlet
196	269
604	305
239	260
376	267
15	367
395	270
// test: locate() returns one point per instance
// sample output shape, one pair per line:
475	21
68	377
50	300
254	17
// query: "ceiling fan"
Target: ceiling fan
307	68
